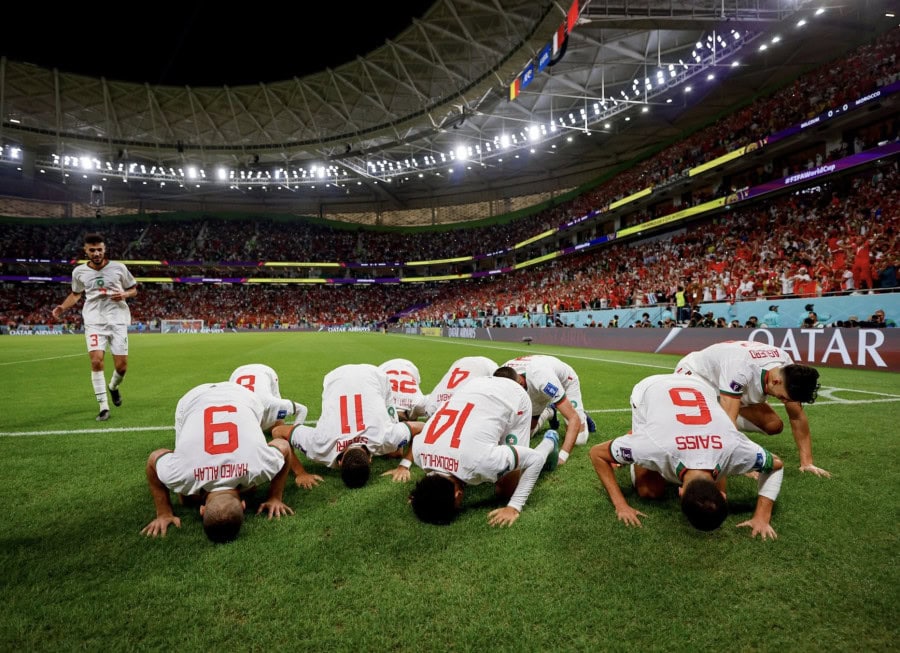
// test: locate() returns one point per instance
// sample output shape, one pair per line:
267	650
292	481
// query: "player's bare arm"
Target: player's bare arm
803	437
573	425
273	504
161	500
602	460
66	304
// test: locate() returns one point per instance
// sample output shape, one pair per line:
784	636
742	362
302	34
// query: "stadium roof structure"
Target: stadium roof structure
428	117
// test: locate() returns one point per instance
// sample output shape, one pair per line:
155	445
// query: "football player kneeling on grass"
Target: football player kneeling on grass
680	434
220	452
358	421
475	438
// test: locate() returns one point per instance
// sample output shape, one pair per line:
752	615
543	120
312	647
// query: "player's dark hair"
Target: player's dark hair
506	372
703	504
433	500
355	467
801	382
94	238
222	520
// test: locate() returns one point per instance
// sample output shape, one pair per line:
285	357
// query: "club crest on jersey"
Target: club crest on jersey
511	439
550	390
282	413
737	387
626	454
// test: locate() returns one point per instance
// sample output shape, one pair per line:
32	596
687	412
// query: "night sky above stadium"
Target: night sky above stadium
201	43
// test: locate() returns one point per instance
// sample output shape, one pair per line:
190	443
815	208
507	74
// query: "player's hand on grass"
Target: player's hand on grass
158	527
307	481
275	508
629	516
503	516
398	474
760	527
812	469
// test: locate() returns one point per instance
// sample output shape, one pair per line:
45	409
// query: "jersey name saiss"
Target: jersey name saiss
690	442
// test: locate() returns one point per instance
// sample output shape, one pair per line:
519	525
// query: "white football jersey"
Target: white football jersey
549	380
461	372
480	434
735	369
218	442
472	436
263	381
356	409
677	424
405	381
97	285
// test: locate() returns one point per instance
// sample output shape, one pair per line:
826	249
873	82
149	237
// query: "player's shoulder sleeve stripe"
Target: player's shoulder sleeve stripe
764	461
515	456
730	393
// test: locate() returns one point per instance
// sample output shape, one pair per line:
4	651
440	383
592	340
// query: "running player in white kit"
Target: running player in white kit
106	285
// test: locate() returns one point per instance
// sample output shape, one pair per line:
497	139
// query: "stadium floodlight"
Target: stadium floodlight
776	39
820	11
801	22
460	153
191	172
534	133
221	174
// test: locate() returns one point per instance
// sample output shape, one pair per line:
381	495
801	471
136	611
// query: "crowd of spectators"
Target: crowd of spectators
839	238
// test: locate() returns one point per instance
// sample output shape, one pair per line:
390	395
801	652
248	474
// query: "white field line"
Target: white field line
38	360
131	429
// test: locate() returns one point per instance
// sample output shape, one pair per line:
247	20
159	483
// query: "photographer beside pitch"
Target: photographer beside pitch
106	285
745	373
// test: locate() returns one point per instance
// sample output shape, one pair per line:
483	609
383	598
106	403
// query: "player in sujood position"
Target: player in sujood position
405	392
358	421
480	435
106	285
553	385
220	452
680	434
461	371
745	373
262	380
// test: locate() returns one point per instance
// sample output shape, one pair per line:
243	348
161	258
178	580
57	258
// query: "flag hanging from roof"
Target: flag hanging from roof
514	89
572	17
549	55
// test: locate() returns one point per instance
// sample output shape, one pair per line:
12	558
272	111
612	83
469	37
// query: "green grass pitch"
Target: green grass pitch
353	570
